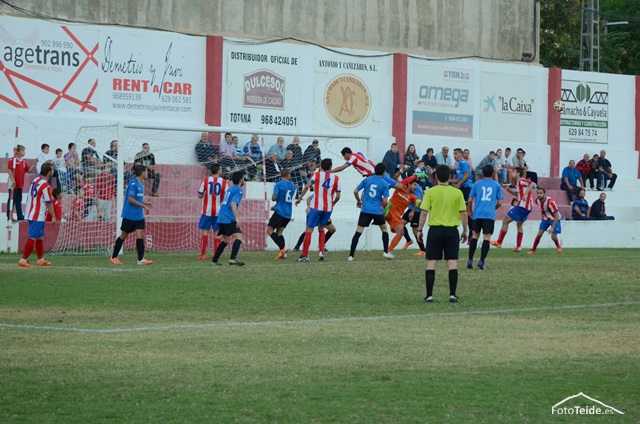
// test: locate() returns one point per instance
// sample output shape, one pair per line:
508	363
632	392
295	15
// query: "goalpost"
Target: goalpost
92	222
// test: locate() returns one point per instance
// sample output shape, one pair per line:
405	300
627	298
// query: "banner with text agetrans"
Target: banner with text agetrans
100	69
585	118
442	101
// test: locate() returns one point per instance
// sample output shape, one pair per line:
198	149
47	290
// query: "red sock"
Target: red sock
40	248
557	242
28	248
305	245
536	242
203	245
501	236
519	240
321	238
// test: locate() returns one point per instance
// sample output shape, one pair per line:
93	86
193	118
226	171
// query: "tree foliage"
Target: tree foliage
560	27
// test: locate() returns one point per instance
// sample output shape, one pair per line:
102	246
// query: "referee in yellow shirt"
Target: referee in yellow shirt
445	208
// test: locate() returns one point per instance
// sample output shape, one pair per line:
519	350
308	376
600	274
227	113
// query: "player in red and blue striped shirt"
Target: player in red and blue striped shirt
211	191
38	203
326	187
361	164
550	220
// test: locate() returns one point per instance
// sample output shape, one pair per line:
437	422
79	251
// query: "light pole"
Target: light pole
608	24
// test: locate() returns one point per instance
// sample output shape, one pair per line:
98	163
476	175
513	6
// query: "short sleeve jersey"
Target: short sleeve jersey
233	195
39	196
212	189
485	194
130	211
525	201
363	165
548	208
462	168
375	189
325	185
285	191
573	175
444	203
19	168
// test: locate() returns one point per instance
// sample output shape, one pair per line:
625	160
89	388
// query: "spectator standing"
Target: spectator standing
90	159
605	173
148	160
312	153
584	167
392	160
72	160
296	149
106	191
570	179
63	176
253	151
17	168
521	163
598	210
501	173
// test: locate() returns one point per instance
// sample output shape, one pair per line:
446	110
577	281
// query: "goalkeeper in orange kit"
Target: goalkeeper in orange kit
399	201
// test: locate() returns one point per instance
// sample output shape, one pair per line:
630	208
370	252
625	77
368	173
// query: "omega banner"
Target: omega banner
303	87
442	101
507	107
116	71
585	118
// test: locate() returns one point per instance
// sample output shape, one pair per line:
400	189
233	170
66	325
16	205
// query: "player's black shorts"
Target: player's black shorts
276	221
442	240
229	229
413	223
486	225
465	193
129	226
366	218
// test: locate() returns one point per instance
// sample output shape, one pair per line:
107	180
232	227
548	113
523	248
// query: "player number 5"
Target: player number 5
372	190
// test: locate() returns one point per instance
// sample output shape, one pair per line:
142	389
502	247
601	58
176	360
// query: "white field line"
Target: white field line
315	321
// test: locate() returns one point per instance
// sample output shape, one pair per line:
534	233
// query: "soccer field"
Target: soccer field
319	342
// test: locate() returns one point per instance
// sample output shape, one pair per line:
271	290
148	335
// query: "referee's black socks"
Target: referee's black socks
453	281
430	276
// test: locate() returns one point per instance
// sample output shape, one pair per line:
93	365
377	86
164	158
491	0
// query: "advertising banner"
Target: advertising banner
306	88
442	101
585	118
508	107
105	70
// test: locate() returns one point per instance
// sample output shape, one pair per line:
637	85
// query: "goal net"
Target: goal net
182	157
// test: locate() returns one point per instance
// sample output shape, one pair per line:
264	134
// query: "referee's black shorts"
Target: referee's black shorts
367	218
485	225
442	240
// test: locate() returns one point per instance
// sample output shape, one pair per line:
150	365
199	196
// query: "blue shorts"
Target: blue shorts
318	218
36	229
544	226
208	222
518	213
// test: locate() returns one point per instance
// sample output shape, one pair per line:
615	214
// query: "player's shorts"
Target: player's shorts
229	229
518	213
413	223
318	218
277	221
442	240
486	226
365	219
129	226
465	192
394	218
36	229
545	224
208	223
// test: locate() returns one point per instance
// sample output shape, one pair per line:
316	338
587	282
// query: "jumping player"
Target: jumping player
484	198
326	189
228	221
375	193
38	202
284	192
550	220
212	190
520	212
133	216
361	164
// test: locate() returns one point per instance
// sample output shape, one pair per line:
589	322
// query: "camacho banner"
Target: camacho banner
585	118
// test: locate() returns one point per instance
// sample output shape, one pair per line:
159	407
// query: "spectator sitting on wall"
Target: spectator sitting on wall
90	159
580	209
278	149
411	158
584	167
488	160
205	151
605	173
598	210
570	179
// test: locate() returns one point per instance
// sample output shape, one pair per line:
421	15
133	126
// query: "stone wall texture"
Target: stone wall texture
491	29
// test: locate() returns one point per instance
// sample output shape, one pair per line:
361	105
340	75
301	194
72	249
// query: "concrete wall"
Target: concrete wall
494	29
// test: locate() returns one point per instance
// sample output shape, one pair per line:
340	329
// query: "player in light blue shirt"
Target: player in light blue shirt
133	216
284	192
375	192
228	220
484	198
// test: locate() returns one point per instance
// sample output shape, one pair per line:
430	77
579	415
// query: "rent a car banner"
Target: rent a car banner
101	69
303	87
